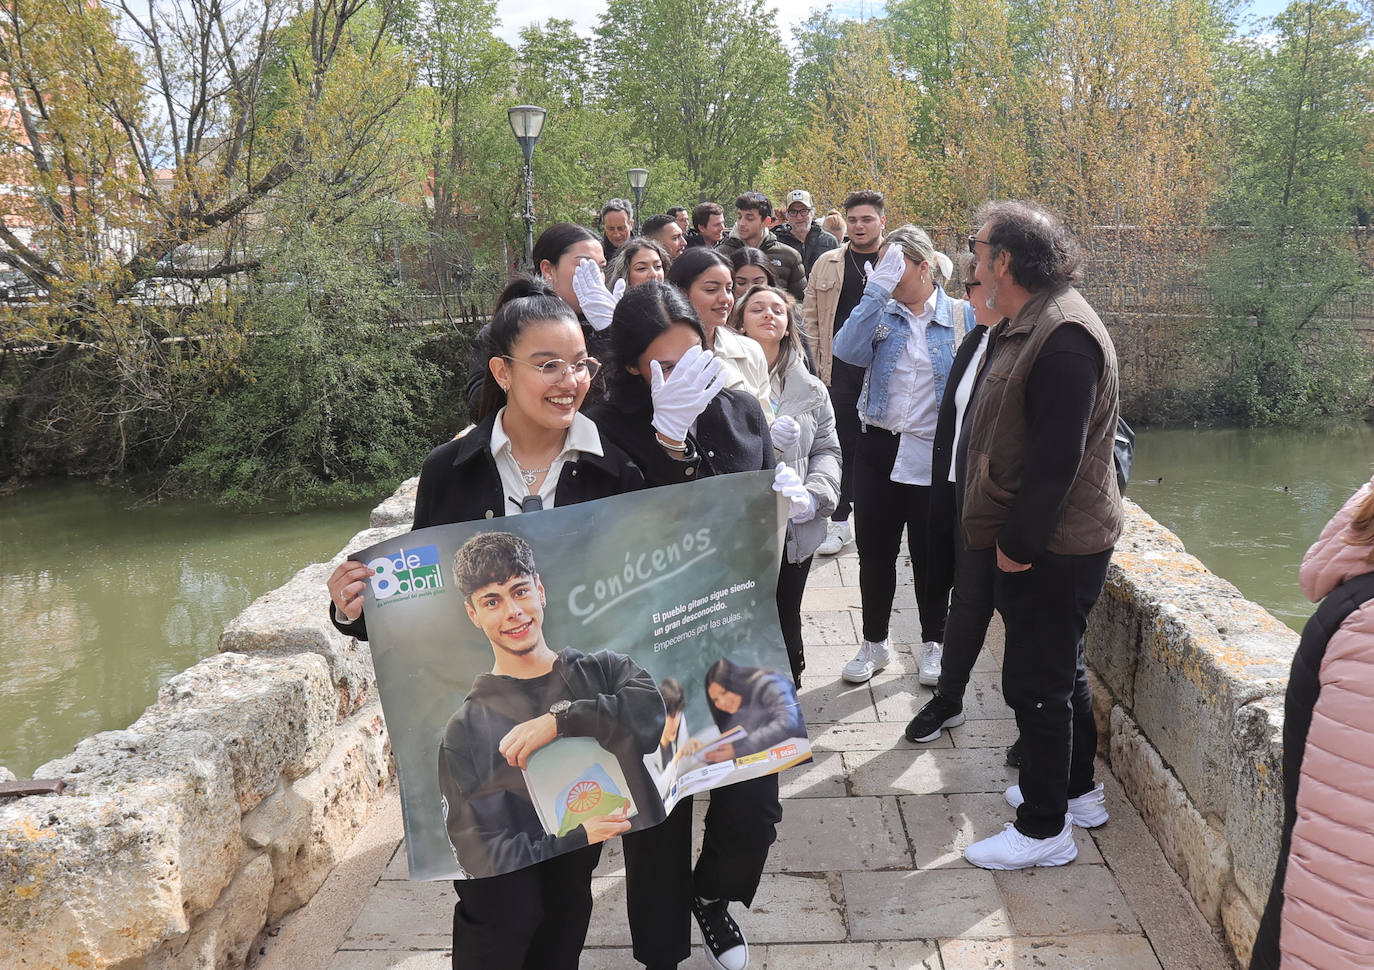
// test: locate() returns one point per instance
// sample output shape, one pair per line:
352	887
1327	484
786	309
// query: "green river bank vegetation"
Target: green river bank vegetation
247	245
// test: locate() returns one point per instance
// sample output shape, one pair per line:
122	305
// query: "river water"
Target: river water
102	602
1249	502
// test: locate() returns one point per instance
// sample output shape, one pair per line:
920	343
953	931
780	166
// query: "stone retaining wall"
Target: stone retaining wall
1188	679
217	812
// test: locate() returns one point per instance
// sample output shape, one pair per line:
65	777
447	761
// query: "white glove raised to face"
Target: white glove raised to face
789	484
696	378
785	432
888	272
597	302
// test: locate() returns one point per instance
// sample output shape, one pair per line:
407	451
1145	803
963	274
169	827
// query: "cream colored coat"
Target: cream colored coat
1328	911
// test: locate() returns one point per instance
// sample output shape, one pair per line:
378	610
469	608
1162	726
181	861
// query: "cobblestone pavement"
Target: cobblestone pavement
868	869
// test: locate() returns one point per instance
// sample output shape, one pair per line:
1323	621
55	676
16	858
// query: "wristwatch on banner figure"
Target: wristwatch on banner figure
559	710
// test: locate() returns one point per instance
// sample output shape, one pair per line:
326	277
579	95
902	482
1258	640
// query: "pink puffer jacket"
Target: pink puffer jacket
1328	912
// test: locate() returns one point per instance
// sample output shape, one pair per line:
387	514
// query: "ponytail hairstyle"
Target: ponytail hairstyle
643	314
524	301
556	240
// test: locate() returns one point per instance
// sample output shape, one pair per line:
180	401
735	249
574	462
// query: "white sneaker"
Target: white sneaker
837	534
871	658
1009	849
1088	810
929	674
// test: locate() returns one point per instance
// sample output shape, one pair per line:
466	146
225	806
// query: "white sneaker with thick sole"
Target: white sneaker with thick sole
871	658
929	673
1009	849
836	535
1088	810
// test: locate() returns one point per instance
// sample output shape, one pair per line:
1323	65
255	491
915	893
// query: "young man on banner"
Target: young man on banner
532	697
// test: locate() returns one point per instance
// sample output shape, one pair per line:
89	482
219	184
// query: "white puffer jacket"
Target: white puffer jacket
815	456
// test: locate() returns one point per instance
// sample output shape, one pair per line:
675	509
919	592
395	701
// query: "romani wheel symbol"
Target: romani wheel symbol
584	796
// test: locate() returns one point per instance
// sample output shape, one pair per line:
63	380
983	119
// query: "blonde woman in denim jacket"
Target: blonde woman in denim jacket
904	332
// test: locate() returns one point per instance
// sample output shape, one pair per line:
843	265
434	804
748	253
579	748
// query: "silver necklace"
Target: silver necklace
530	474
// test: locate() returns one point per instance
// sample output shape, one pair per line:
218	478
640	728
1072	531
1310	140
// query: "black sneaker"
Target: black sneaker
1014	754
725	944
940	712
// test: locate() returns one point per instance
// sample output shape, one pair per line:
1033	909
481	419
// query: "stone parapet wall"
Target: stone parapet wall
221	809
1188	679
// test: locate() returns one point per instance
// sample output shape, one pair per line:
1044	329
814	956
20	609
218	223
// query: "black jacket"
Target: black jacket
459	482
492	823
817	241
768	712
787	263
731	435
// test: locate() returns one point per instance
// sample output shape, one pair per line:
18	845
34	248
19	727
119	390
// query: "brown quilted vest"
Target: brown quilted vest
1091	521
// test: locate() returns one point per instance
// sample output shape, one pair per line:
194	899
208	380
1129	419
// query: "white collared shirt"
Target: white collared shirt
582	437
911	404
746	365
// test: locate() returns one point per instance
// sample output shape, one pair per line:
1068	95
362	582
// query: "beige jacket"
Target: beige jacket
818	308
746	367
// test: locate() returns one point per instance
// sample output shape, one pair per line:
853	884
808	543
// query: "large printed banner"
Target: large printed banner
556	678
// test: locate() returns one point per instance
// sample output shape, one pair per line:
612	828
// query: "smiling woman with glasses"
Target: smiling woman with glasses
530	450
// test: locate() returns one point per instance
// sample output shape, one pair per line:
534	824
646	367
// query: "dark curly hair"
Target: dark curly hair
1044	254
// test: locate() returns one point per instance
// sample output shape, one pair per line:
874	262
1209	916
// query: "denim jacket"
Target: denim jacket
874	337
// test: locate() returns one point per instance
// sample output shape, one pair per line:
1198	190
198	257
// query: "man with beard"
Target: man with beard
802	232
1040	493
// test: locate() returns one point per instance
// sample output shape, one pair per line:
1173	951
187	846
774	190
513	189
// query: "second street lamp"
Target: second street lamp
639	178
527	122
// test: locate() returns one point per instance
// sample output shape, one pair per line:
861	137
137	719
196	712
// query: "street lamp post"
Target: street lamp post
527	122
639	177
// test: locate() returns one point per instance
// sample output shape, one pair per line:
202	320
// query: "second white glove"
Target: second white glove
888	272
597	302
785	432
789	484
695	380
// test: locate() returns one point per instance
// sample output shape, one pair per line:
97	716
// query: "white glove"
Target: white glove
597	302
785	432
888	272
789	483
698	377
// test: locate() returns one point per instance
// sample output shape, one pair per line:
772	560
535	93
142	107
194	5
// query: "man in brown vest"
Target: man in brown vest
1039	488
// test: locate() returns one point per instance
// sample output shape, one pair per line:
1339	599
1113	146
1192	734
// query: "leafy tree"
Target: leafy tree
466	73
1298	129
701	81
242	101
863	132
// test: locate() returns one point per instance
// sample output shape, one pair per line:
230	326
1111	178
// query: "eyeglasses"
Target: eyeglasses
973	241
553	371
797	212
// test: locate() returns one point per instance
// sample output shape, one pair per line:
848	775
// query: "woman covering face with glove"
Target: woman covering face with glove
668	407
803	431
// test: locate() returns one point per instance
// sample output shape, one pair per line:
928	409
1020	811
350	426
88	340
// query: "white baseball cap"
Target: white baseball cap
800	195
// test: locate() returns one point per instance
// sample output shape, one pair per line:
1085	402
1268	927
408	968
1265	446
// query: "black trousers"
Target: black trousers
970	612
530	919
791	586
1045	609
741	825
883	508
846	381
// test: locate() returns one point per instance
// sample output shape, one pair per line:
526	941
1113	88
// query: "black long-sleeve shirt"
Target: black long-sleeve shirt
1060	393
